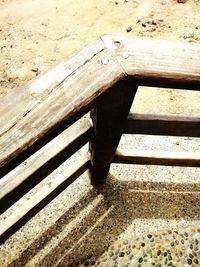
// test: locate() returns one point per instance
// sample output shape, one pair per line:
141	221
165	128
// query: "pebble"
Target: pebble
140	252
129	29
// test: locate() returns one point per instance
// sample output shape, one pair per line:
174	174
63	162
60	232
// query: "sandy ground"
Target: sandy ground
34	35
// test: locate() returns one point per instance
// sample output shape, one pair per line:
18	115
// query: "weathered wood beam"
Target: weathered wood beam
166	158
163	124
109	119
156	62
41	198
54	99
30	172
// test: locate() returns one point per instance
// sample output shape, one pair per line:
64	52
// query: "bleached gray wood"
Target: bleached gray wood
33	170
157	62
41	198
44	105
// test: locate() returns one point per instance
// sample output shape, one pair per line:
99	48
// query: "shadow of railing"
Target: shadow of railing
112	211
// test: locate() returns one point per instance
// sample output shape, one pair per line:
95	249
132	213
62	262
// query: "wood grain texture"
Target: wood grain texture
109	119
30	172
163	124
166	158
93	72
156	62
18	103
41	198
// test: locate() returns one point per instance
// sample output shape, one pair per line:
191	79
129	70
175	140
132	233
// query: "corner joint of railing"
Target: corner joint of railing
112	43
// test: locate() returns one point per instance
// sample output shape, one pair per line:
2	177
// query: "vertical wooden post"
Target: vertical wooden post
109	118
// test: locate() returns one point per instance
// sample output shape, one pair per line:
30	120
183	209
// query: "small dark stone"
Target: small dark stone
182	241
140	260
191	256
170	257
194	253
149	236
121	254
191	246
129	29
189	261
128	252
176	242
196	241
165	254
158	252
186	234
93	262
86	263
196	261
169	264
116	3
143	244
172	244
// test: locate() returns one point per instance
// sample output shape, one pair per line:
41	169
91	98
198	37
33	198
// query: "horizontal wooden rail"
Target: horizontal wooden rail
165	158
30	172
157	62
60	96
163	124
39	200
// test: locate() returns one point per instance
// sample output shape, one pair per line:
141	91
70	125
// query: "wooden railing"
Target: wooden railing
37	133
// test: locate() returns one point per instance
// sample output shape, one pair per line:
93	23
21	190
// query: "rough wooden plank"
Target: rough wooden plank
109	119
30	172
157	62
41	198
163	124
167	158
21	101
71	98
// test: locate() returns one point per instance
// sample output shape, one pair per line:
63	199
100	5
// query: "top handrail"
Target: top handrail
70	89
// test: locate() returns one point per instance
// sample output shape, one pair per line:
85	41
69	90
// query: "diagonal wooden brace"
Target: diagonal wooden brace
109	119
